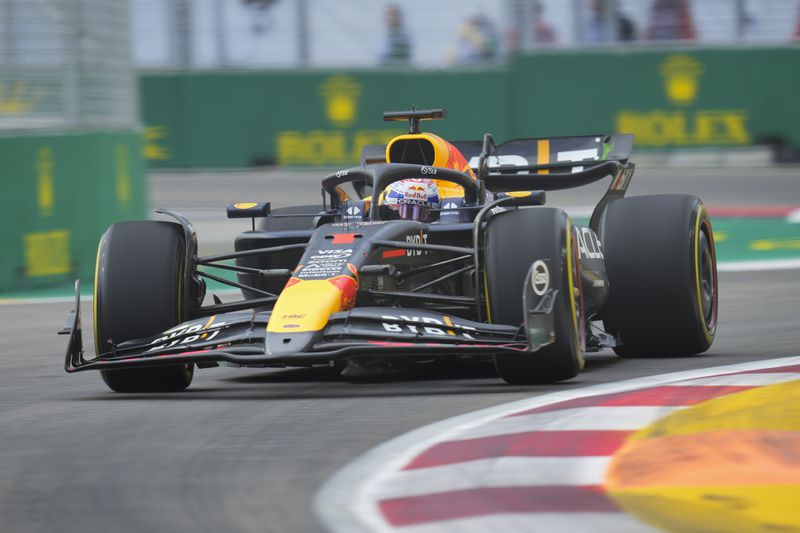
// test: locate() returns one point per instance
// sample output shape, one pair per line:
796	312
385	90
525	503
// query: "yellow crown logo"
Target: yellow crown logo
341	100
681	74
13	98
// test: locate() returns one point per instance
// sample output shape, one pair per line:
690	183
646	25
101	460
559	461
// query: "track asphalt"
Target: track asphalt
245	450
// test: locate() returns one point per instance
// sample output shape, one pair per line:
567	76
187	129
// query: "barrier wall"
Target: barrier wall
675	99
222	119
60	192
669	99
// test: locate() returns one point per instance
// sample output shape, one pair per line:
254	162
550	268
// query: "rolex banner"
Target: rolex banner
669	99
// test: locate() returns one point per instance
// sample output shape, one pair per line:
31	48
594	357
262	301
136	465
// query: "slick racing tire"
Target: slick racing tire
290	224
662	272
137	293
514	240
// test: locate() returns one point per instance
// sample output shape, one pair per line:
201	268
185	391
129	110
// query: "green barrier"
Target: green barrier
224	120
60	192
668	99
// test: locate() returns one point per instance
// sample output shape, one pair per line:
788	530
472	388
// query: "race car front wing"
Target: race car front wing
239	338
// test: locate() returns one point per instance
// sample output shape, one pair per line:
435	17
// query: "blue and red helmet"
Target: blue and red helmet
412	199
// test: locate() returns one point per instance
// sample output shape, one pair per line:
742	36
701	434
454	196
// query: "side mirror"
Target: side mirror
524	197
248	210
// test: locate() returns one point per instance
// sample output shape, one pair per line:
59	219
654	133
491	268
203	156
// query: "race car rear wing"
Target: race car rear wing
545	153
585	149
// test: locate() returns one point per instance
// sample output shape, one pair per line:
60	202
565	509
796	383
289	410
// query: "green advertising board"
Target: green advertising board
60	192
668	98
223	120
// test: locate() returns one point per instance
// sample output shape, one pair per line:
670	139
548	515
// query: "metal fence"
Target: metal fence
210	34
66	64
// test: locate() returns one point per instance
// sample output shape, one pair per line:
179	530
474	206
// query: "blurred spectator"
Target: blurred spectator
543	33
259	11
397	50
606	24
670	20
797	30
477	40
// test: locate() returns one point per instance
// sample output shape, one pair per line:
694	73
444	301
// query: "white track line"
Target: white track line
756	266
545	523
496	472
575	419
346	502
741	380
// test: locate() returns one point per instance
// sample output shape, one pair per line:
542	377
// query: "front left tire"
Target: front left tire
138	292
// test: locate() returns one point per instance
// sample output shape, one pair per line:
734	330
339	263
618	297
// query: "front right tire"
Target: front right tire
661	266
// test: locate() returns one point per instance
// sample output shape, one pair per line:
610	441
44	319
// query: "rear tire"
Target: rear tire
514	240
661	265
138	292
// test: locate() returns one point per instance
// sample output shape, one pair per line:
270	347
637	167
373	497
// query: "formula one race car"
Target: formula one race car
461	260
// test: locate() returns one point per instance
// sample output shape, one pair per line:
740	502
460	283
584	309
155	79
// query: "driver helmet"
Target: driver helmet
412	199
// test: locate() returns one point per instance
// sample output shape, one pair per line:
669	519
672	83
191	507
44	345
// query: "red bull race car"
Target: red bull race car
438	250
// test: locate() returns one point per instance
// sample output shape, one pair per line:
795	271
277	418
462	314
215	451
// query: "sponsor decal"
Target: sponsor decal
589	246
203	331
450	209
509	160
353	210
339	144
428	170
18	98
123	175
422	238
153	136
680	125
45	181
426	325
620	183
325	263
360	223
48	253
341	100
245	205
599	283
342	173
326	147
540	278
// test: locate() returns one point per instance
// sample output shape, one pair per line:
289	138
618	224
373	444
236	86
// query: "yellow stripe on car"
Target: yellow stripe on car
571	288
305	305
700	213
94	315
543	154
